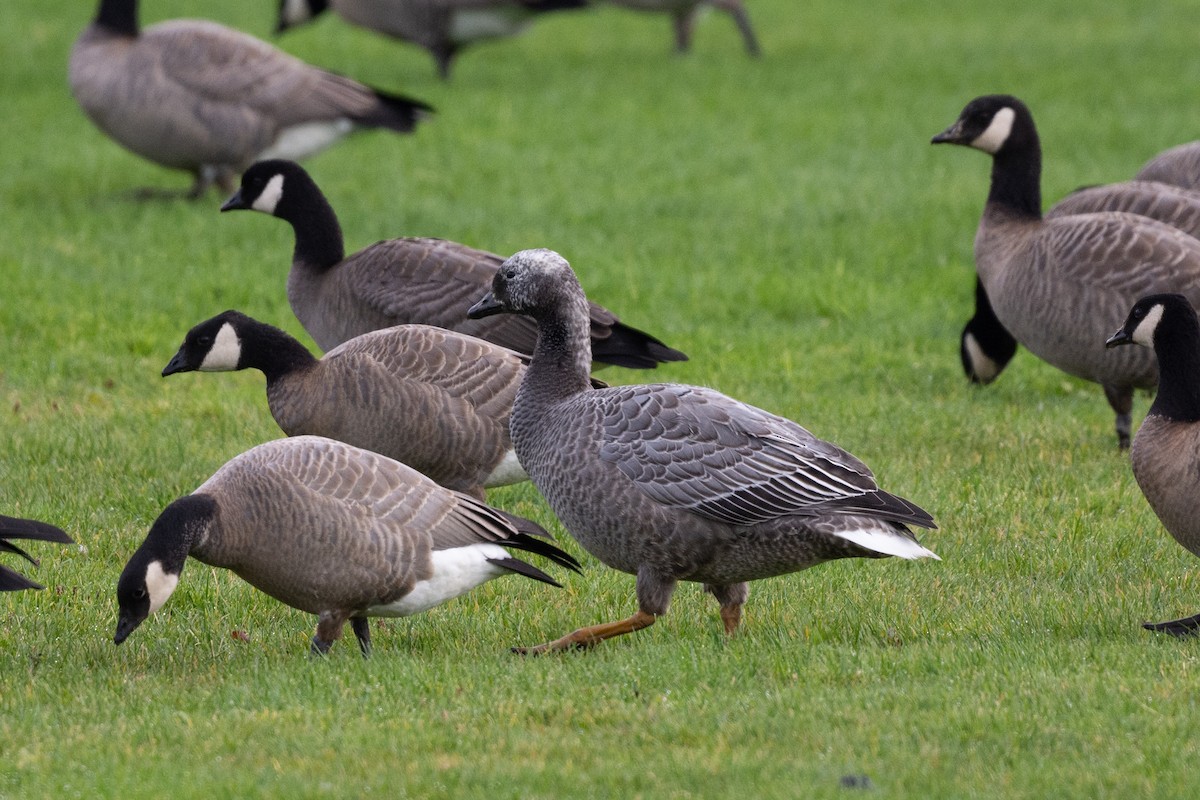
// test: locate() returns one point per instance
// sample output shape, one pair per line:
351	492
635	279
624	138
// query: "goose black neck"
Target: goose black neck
275	352
178	529
319	240
1178	350
1016	178
118	16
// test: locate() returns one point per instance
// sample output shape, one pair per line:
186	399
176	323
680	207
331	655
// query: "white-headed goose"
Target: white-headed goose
442	27
1166	450
401	281
197	96
17	528
333	530
433	399
1059	285
679	483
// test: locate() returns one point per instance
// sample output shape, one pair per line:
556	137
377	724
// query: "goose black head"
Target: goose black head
263	186
1150	315
298	12
991	123
214	345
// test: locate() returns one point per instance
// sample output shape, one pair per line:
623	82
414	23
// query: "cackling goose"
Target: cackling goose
433	399
1059	285
1166	450
333	530
406	280
670	482
197	96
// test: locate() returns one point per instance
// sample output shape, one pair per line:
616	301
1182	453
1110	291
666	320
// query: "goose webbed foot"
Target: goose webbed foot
1187	626
586	638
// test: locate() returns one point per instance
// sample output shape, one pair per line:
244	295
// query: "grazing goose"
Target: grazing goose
400	281
1179	166
670	482
443	27
1059	285
433	399
684	12
334	530
201	97
986	347
16	528
1166	450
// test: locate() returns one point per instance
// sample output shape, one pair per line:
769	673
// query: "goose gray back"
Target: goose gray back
670	482
433	399
333	530
1060	285
442	27
1166	451
1180	166
403	281
197	96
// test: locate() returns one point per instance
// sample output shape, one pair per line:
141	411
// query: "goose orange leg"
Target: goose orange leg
592	635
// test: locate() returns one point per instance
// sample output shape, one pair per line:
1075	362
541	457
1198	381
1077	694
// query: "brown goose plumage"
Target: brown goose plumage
400	281
671	482
433	399
333	530
197	96
1166	450
1179	166
442	27
1059	285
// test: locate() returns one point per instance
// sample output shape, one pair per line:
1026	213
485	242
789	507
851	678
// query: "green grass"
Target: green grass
787	224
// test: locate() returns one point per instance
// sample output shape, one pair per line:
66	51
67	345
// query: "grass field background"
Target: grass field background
783	221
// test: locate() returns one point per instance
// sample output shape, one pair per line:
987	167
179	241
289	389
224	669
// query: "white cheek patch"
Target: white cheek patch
159	584
225	352
1143	334
295	12
982	365
268	198
991	140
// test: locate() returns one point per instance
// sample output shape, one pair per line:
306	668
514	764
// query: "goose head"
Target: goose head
263	187
1150	316
991	123
532	282
214	345
298	12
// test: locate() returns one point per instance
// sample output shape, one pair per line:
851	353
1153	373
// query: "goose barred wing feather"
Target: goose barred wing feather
1120	252
696	449
1174	205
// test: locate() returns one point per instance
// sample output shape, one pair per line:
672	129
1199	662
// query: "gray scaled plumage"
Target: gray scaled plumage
1060	285
400	281
333	530
442	27
436	400
198	96
679	483
1166	450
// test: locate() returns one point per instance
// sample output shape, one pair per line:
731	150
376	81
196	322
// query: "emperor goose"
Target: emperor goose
1179	165
987	347
407	280
670	482
442	27
1058	285
197	96
16	528
684	13
1166	450
327	528
436	400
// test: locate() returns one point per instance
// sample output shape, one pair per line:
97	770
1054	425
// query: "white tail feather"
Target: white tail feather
892	544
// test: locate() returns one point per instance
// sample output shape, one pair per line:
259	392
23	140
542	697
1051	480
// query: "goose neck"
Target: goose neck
561	363
319	242
1178	396
1016	182
118	16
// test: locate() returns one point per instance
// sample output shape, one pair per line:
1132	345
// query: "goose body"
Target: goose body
433	399
671	482
17	528
987	347
403	281
333	530
1058	285
204	98
1180	166
684	13
1166	451
442	27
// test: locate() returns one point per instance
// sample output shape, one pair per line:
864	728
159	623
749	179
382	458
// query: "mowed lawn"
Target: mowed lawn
783	221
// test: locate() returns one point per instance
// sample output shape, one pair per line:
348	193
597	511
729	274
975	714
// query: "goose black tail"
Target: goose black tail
630	348
536	546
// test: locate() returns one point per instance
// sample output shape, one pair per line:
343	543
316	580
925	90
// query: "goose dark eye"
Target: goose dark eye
139	593
509	274
205	341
